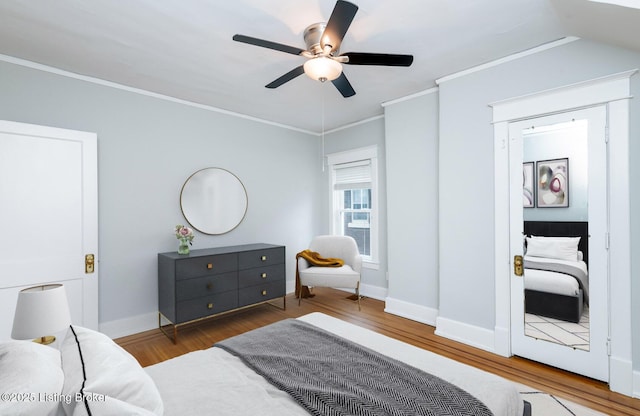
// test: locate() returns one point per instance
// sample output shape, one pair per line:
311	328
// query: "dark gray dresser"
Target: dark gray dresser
210	281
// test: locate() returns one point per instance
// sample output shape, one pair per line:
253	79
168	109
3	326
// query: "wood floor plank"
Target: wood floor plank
153	346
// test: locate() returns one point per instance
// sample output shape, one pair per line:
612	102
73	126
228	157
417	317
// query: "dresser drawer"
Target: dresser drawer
260	293
257	258
201	286
205	265
261	275
205	306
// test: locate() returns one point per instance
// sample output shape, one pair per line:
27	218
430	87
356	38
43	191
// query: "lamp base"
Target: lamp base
46	340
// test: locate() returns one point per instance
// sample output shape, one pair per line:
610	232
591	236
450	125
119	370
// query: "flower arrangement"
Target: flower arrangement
185	233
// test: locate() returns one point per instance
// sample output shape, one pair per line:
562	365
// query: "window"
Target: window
354	198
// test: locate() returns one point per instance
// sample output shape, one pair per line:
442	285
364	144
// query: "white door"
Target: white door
587	126
49	214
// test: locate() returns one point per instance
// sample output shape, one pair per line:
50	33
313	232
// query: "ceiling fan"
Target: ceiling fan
324	61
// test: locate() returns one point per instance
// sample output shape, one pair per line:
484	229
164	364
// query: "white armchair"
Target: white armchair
346	276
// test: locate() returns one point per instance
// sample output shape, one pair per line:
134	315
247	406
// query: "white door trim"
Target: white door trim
614	91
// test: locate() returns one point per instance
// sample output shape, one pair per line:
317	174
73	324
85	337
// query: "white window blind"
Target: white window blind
354	175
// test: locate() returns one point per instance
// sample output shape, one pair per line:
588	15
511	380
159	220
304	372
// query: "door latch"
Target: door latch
518	265
88	263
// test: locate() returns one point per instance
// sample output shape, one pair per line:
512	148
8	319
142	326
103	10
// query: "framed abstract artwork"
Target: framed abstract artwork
528	182
553	183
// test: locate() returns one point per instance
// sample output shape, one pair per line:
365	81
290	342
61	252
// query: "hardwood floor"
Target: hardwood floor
153	346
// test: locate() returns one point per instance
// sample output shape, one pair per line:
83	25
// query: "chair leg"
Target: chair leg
358	295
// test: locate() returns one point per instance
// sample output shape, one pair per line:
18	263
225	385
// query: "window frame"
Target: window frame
370	154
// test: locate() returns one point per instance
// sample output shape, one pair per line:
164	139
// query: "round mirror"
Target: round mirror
213	201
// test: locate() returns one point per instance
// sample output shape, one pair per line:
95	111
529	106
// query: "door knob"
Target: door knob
518	265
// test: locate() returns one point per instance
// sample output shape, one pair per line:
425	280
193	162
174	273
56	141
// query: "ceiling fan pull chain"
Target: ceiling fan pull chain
322	88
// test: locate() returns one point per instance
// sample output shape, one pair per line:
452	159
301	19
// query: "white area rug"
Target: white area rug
545	404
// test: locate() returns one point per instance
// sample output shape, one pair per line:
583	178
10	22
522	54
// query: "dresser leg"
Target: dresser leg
175	329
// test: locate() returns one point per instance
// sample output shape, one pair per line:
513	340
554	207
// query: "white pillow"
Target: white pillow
114	382
561	248
31	379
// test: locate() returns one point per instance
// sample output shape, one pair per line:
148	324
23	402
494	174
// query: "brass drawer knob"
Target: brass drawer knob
264	293
263	275
209	266
263	258
209	286
209	305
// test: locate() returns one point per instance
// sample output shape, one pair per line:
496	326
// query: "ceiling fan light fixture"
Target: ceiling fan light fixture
322	69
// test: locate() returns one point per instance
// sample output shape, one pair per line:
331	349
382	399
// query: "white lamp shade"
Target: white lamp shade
40	311
322	69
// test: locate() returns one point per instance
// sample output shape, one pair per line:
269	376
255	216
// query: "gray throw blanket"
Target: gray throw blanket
576	272
329	375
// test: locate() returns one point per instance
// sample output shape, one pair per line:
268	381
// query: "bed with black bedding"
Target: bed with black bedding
556	269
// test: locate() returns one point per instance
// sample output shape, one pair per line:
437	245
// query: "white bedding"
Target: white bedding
213	380
553	282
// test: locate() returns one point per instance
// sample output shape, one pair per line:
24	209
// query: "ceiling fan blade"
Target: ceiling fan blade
384	59
286	77
338	24
344	86
268	44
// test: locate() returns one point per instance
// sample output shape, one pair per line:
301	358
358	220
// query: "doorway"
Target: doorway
614	92
559	225
49	192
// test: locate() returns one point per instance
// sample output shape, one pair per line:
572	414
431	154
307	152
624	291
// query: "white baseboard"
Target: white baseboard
128	326
370	291
622	378
374	292
502	341
636	384
467	334
411	311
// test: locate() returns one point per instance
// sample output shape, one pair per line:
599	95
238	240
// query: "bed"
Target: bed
90	374
556	269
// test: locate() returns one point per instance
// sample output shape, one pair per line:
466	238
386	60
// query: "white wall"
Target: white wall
412	204
147	147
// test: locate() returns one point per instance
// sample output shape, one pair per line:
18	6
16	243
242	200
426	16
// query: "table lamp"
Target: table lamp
40	312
